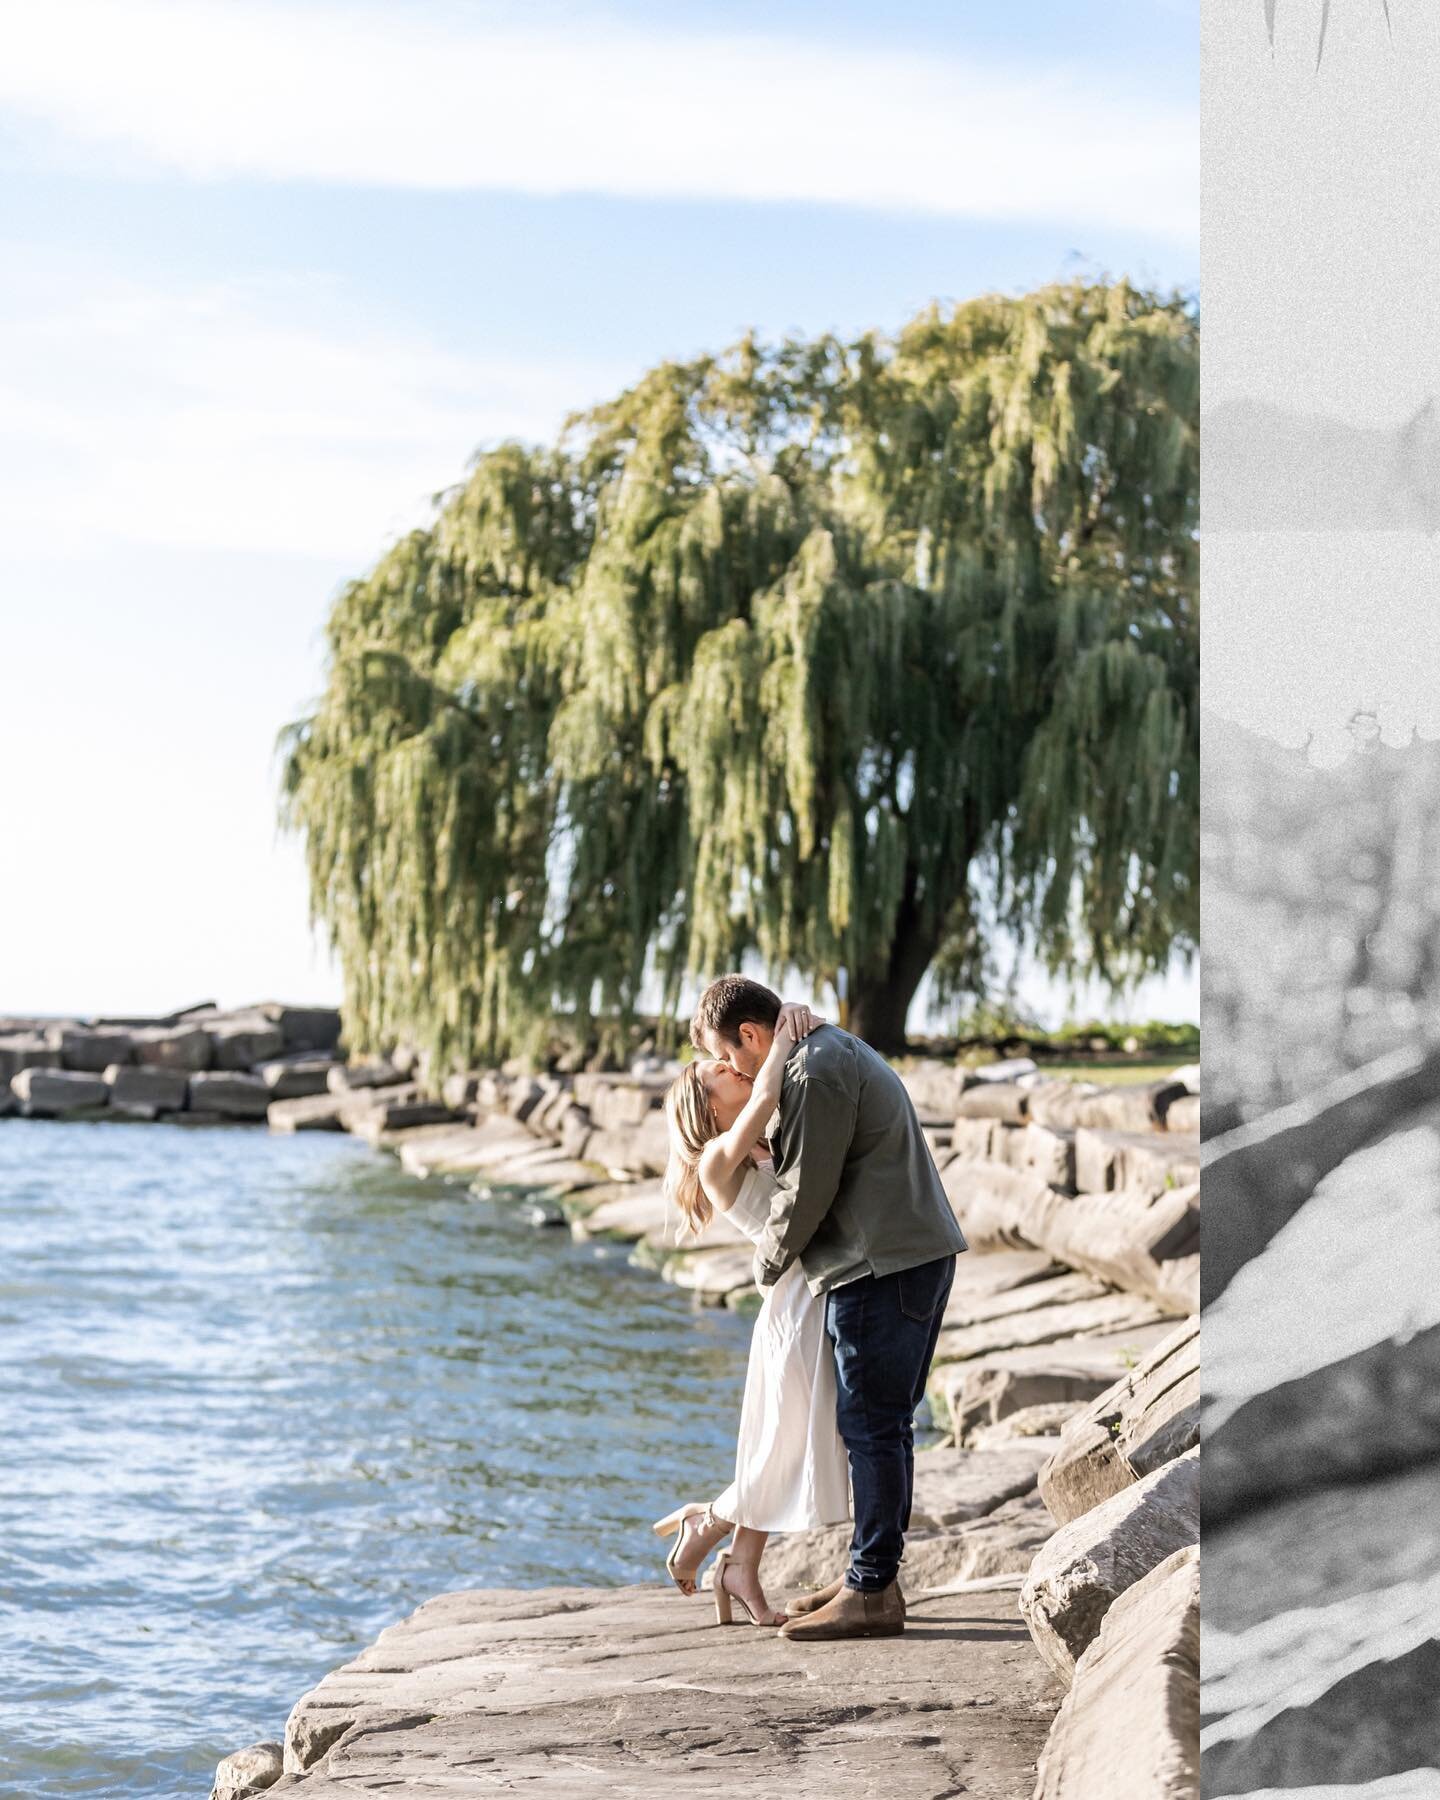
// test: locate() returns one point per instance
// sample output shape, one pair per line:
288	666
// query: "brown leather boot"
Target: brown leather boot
809	1603
851	1614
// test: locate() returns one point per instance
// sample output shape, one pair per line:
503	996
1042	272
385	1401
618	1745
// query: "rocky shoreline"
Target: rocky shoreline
1064	1498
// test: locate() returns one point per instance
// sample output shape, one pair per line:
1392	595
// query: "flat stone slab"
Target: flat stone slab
984	1389
1102	1316
636	1690
713	1274
954	1486
631	1215
466	1149
1052	1290
1322	1357
984	1274
1320	1646
311	1112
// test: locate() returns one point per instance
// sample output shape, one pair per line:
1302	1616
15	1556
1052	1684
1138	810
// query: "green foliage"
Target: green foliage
799	651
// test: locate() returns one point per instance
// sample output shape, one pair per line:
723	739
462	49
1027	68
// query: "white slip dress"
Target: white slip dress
791	1472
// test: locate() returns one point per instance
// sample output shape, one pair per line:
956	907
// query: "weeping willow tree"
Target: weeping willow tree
838	654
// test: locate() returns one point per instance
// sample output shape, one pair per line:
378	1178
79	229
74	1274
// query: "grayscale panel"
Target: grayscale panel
1320	838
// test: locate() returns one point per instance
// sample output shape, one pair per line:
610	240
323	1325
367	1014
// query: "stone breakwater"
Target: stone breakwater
1058	1516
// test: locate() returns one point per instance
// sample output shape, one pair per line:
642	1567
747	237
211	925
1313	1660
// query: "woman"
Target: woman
791	1472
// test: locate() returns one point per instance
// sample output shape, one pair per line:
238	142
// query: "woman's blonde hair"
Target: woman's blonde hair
692	1124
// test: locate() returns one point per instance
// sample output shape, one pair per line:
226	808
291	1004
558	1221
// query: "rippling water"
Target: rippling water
261	1396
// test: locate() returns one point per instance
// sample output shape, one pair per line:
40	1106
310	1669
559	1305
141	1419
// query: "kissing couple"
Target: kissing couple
855	1246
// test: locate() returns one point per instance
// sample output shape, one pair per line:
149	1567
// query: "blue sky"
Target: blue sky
269	274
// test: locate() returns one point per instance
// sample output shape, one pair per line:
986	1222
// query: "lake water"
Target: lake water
260	1396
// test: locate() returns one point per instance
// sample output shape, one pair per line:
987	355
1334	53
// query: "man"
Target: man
861	1206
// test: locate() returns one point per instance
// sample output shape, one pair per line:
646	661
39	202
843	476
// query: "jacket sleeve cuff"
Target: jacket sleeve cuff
766	1274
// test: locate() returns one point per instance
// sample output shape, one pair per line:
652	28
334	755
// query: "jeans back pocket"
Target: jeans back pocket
924	1289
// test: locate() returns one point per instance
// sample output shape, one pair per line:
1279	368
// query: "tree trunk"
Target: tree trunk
879	1003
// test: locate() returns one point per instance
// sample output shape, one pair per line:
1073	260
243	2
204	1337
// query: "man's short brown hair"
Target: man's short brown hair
730	1002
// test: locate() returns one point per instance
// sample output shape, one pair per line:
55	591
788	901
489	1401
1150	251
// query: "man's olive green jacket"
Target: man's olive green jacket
859	1190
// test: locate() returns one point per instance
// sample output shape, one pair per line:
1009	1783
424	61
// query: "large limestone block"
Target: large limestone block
718	1233
145	1093
26	1050
1321	1650
459	1090
1131	1108
996	1206
349	1078
468	1149
637	1213
642	1149
619	1106
1045	1325
1002	1100
981	1275
934	1089
1089	1563
90	1050
979	1140
1138	1108
357	1108
385	1125
172	1047
1129	1729
311	1112
229	1093
552	1170
1148	1418
1143	1161
1141	1239
294	1076
1001	1542
952	1487
712	1275
1062	1105
576	1131
1030	1422
1184	1114
1061	1288
551	1092
524	1097
1048	1152
241	1043
652	1144
1323	1355
545	1120
1136	1239
986	1389
246	1773
52	1093
304	1027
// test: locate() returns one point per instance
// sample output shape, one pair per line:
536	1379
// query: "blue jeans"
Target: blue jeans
884	1329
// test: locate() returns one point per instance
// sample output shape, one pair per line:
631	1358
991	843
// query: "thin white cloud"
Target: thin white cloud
408	97
260	416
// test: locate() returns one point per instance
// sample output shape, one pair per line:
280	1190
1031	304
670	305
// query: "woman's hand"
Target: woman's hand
796	1021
